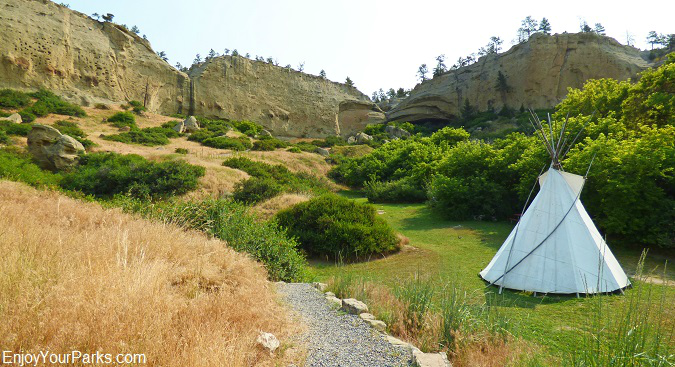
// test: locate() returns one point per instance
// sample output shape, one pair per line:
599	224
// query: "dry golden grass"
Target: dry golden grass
74	276
269	208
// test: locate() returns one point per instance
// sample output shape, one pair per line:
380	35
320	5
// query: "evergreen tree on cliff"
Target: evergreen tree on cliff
349	82
544	26
422	72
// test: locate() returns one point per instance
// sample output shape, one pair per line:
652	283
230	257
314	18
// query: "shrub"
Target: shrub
269	144
400	191
181	151
11	128
255	190
101	106
27	116
335	227
71	129
139	136
137	107
305	147
108	174
223	142
13	99
294	150
329	141
230	221
247	127
122	119
18	166
4	139
48	102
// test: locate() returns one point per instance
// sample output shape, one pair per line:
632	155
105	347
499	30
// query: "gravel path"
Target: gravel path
336	339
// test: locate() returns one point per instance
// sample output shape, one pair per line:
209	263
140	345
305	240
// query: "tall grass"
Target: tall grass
634	335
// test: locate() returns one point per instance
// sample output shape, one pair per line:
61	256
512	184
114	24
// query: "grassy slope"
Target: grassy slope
454	252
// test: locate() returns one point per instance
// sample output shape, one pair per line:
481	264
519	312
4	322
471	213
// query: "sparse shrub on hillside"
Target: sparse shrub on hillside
247	127
10	98
11	128
4	139
27	117
181	151
151	136
305	147
137	107
223	142
230	221
71	129
101	106
338	228
122	119
269	144
109	174
329	141
294	149
48	102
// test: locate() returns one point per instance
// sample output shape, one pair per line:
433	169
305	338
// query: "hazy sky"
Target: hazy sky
378	44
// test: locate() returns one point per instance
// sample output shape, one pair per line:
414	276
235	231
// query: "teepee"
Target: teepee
555	247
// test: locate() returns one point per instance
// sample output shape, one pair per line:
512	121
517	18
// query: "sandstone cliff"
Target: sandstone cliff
538	73
45	45
284	101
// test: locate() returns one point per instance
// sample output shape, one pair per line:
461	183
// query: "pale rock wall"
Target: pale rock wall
538	71
45	45
286	102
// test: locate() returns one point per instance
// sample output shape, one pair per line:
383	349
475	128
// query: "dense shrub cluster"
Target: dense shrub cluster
628	129
269	180
224	142
268	143
338	228
123	119
48	102
16	165
247	127
231	222
11	128
10	98
73	130
137	107
109	174
4	138
150	136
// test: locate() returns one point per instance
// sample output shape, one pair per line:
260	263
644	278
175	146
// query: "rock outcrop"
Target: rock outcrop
53	150
353	116
284	101
538	73
46	45
15	118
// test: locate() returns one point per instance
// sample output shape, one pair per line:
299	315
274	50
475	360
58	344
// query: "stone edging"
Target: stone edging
356	307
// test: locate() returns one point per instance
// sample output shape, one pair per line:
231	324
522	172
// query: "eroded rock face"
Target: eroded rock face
190	124
53	150
15	118
355	115
45	45
537	72
286	102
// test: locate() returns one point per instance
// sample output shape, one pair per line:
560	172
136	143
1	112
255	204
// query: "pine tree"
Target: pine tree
108	17
391	93
162	55
235	52
599	29
349	82
135	30
545	26
422	72
468	111
198	59
227	51
502	84
440	66
322	74
211	54
585	28
301	67
96	15
653	38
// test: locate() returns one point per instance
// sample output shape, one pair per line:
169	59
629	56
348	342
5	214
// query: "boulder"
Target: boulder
179	127
265	133
333	301
351	140
191	124
354	115
396	132
367	316
15	117
320	286
377	325
125	128
422	359
329	294
322	151
362	138
268	341
53	150
353	306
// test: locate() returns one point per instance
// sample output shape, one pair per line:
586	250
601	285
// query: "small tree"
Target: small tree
198	59
108	17
235	52
227	51
96	16
391	93
145	37
349	82
211	54
375	97
381	95
528	26
401	93
248	55
653	38
322	74
502	85
599	29
585	28
135	30
162	55
301	67
422	72
468	111
670	41
545	26
494	46
440	66
179	66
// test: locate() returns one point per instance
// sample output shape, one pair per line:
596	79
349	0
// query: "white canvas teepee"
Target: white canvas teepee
555	247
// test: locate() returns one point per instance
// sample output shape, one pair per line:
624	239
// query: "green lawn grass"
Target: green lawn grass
455	252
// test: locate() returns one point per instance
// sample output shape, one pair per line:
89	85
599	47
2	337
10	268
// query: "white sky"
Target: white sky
378	44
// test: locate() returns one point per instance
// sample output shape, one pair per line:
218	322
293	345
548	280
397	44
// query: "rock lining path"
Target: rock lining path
334	338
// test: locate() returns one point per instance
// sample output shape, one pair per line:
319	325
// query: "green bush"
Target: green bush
137	107
14	99
101	106
269	144
151	136
4	139
400	191
230	221
247	127
338	228
27	117
294	150
255	190
11	128
108	174
305	147
48	102
18	166
224	142
73	130
329	141
122	119
181	151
